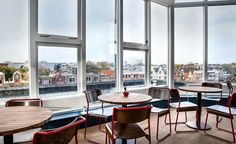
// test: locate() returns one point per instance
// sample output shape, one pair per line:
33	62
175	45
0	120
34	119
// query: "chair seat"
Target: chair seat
184	106
159	111
211	99
221	110
103	113
126	131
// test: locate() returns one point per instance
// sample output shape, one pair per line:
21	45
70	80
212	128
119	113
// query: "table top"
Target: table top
200	89
118	98
21	118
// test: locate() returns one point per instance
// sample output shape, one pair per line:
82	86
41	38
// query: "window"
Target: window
14	68
188	45
57	17
159	44
134	21
222	44
134	68
100	47
178	1
57	72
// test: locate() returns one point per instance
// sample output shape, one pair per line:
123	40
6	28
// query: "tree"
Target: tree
44	71
91	67
8	71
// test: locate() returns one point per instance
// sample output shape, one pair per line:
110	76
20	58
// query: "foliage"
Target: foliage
8	71
91	67
44	71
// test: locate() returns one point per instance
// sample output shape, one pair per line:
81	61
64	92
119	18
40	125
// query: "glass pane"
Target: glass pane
133	68
57	72
188	45
222	44
57	17
14	66
134	25
159	44
100	48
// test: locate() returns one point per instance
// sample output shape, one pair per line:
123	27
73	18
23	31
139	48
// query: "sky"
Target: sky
61	19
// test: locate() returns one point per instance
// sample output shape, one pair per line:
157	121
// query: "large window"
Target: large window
100	45
134	68
222	44
134	21
159	44
14	66
188	45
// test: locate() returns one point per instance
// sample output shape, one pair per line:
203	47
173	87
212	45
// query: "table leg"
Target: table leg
124	141
8	139
198	125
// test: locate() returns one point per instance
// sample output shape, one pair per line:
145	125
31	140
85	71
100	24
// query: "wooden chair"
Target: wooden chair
160	93
62	135
124	124
26	135
100	114
180	106
215	85
228	111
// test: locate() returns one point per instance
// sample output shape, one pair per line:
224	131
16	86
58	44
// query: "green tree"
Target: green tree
8	71
91	67
44	71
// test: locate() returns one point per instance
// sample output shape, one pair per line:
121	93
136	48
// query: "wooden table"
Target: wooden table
119	98
199	90
21	118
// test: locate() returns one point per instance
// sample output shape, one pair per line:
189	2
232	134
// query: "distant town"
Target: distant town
14	77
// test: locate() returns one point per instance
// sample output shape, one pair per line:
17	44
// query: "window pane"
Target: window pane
177	1
134	68
100	48
159	44
222	44
134	21
188	45
57	17
57	69
14	50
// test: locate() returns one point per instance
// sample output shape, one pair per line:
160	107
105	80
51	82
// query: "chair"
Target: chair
228	111
124	124
230	87
185	106
62	135
215	85
100	113
160	93
26	135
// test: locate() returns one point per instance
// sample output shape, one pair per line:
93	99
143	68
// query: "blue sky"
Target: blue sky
100	34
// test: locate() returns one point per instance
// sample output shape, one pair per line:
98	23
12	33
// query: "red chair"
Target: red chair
124	124
180	106
230	87
26	135
160	93
62	135
101	114
228	111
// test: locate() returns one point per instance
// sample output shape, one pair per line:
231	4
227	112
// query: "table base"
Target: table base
8	139
192	124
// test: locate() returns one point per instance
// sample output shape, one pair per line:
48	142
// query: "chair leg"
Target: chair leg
85	129
106	139
176	120
135	141
76	139
167	123
157	132
217	137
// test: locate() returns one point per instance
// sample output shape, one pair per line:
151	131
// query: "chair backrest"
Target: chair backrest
24	102
131	115
159	92
174	95
92	95
230	87
212	84
62	135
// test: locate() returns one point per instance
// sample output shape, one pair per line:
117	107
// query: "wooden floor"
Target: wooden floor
197	137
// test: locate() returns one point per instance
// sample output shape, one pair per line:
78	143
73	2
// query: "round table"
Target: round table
119	98
199	90
21	118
